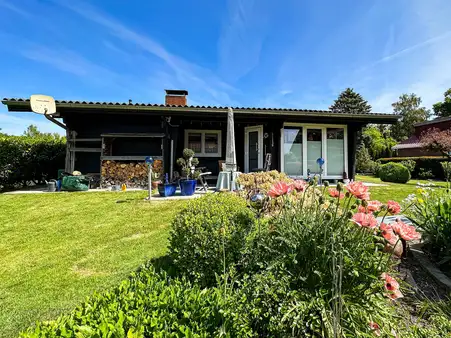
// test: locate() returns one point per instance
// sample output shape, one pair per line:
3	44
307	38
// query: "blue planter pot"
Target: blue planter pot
188	187
167	189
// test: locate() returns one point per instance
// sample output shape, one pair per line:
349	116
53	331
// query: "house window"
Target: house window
314	150
292	151
205	143
335	151
303	144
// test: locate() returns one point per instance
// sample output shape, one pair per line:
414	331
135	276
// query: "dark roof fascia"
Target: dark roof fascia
434	121
12	103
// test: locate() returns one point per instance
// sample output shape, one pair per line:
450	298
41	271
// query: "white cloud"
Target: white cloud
187	75
242	38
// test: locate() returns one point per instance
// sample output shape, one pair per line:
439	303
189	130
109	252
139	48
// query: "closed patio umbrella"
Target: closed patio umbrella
230	160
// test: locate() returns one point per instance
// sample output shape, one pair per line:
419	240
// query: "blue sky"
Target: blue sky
286	53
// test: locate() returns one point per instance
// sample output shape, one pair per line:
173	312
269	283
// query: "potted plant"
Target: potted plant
189	173
167	189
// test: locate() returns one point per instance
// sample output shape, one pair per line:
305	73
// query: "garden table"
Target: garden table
227	180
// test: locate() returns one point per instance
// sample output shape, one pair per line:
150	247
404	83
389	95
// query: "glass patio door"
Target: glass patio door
253	151
314	149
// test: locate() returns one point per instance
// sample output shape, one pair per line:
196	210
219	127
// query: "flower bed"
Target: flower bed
317	265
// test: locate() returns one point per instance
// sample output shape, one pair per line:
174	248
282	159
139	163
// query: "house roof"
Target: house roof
434	121
412	142
23	105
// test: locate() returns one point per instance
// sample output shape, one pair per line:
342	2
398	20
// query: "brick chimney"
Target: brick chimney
176	97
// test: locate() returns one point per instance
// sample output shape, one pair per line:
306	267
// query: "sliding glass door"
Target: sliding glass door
293	152
314	150
303	145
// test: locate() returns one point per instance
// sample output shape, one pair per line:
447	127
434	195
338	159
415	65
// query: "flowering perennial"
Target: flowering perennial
359	190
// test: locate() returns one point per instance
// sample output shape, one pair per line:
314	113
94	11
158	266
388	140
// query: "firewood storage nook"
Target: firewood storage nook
123	154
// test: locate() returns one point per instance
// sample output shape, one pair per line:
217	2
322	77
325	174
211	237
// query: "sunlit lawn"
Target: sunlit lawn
395	191
56	249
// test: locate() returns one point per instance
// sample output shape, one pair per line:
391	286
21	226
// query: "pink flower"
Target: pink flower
393	207
365	220
372	206
299	185
405	231
335	193
388	233
392	286
375	328
359	190
278	189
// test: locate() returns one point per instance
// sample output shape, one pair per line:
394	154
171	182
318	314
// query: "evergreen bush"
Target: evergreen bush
394	172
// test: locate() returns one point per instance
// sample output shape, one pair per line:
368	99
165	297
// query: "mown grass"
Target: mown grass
394	191
56	249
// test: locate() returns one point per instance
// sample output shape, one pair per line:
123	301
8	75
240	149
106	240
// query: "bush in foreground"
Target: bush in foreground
148	304
208	234
394	172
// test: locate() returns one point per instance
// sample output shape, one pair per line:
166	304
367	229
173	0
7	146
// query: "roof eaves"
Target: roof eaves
211	109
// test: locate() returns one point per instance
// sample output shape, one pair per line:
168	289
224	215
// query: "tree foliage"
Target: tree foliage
437	140
443	109
350	102
409	108
378	140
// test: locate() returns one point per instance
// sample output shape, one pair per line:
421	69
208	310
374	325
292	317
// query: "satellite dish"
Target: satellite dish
43	104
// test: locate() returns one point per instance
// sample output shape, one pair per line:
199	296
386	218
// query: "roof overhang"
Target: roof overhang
71	107
407	146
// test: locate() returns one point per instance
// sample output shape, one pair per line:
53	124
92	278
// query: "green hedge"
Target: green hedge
26	159
432	163
149	304
394	172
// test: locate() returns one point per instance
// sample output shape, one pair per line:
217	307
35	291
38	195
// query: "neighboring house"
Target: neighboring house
295	138
412	147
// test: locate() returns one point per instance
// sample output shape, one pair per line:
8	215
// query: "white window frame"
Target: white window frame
202	137
323	127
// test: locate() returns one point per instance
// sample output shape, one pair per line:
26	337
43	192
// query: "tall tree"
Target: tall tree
411	111
350	102
443	109
32	131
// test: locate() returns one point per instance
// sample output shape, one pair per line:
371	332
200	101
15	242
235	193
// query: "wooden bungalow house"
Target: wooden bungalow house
295	138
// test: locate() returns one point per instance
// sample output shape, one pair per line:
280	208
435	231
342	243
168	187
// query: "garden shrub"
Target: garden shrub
29	159
321	275
425	174
208	231
428	163
446	170
410	165
431	212
262	180
394	172
149	305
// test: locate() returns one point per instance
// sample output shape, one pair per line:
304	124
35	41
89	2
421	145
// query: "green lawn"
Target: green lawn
394	191
56	249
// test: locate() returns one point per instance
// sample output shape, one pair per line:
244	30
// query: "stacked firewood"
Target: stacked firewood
133	174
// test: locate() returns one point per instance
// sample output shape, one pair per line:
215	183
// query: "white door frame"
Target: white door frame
247	130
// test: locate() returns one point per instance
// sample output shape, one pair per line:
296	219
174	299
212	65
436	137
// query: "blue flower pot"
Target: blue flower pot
167	189
188	187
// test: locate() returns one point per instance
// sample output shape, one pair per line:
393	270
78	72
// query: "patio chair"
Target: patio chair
203	180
